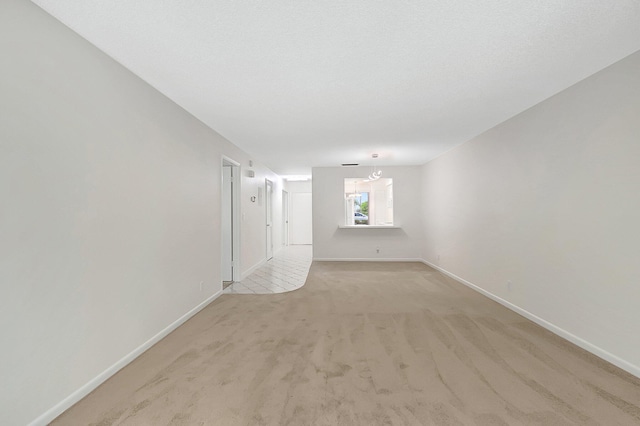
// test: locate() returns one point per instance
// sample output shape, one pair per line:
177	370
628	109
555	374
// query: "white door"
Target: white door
300	218
227	223
269	205
285	218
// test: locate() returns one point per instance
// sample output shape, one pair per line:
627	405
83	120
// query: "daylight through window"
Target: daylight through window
368	202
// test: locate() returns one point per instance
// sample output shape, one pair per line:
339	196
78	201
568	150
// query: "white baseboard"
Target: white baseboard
589	347
365	259
83	391
251	270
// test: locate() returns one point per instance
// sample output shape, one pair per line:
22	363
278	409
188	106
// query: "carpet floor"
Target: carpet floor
363	344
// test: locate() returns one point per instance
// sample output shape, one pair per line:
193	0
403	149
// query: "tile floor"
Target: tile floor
287	271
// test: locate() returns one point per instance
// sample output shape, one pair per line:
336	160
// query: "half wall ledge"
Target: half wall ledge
369	227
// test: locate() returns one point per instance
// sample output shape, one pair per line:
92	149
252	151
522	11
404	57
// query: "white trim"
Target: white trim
230	161
369	227
260	264
49	415
286	209
366	259
251	270
589	347
236	208
268	214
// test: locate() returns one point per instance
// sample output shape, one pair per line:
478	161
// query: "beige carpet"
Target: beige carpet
363	344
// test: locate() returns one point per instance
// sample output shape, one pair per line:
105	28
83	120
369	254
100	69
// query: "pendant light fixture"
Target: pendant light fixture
375	174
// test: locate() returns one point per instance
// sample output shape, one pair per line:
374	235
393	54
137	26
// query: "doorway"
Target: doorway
301	218
269	214
285	218
230	223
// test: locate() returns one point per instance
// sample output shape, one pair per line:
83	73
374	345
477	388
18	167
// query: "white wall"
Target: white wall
549	200
298	186
110	213
330	242
253	236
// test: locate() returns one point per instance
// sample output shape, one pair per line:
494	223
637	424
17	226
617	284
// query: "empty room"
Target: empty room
319	213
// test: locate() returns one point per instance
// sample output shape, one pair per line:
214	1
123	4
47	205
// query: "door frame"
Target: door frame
285	217
235	214
268	195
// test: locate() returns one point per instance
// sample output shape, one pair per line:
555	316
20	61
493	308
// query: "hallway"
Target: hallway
286	271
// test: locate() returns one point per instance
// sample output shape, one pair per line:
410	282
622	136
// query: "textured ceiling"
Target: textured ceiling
318	83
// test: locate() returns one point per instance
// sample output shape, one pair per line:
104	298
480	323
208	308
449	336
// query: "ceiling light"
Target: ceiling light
375	174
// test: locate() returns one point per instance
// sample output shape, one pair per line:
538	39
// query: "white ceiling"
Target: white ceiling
304	83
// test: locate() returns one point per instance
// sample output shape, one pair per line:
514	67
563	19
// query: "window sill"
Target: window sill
369	227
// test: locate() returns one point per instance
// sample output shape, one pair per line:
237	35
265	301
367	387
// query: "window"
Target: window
368	202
